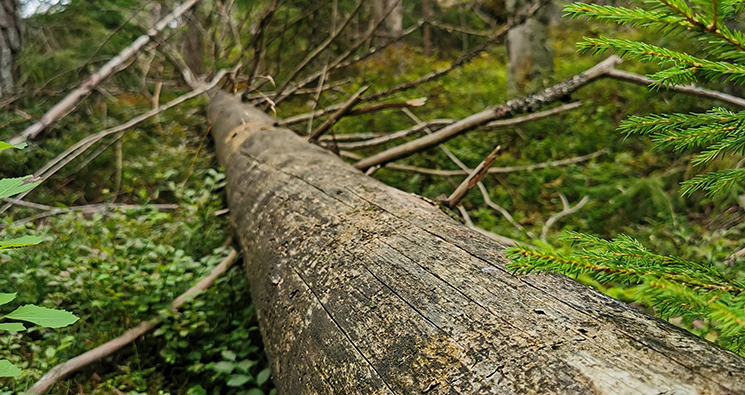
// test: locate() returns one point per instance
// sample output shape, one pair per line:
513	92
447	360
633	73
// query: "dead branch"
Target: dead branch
62	370
81	146
393	136
66	105
473	178
497	170
339	61
257	42
300	66
499	238
451	28
687	89
330	121
521	105
568	210
529	11
85	210
365	110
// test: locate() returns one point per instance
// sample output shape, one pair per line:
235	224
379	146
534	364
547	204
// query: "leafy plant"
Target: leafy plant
42	316
673	286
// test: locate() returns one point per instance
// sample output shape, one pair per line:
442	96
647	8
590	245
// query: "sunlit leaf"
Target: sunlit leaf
4	146
14	186
6	298
238	380
7	369
12	327
49	318
20	242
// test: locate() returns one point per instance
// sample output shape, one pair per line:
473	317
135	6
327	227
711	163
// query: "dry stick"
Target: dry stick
365	110
81	146
62	370
568	210
496	170
687	89
521	105
85	210
393	136
339	61
530	10
257	42
499	238
330	121
71	100
481	185
472	179
312	55
319	91
451	28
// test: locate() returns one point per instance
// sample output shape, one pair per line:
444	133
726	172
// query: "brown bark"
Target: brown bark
10	44
363	289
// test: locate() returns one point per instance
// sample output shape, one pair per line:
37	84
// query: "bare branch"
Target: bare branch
66	105
473	178
497	170
687	89
393	136
300	66
499	238
330	121
568	210
520	105
365	110
81	146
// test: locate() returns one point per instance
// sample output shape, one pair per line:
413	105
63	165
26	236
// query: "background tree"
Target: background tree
10	44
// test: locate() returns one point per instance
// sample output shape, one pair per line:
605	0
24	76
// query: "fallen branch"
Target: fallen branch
521	105
472	179
687	89
81	146
497	170
62	370
568	210
300	66
365	110
374	142
498	238
66	105
330	121
85	210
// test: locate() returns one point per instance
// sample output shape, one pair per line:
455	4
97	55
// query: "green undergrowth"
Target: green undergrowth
117	269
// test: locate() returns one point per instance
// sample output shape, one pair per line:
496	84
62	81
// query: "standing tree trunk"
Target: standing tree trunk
192	42
427	32
394	20
10	43
530	55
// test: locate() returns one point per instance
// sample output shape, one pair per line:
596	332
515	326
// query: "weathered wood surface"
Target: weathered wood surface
364	289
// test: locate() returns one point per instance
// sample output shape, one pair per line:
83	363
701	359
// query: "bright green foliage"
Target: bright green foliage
674	286
42	316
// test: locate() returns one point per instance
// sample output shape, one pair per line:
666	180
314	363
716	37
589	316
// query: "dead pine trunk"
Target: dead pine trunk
364	289
10	44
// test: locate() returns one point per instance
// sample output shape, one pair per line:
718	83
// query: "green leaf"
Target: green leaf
228	355
12	327
20	242
7	369
238	380
256	391
224	367
4	146
14	186
263	376
49	318
7	298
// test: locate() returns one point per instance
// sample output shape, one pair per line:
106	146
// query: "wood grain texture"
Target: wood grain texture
364	289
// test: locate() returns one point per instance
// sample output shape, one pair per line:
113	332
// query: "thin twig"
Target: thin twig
473	178
330	121
66	105
81	146
499	238
568	210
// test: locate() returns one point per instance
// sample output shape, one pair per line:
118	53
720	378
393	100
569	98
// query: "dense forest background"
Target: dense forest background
134	221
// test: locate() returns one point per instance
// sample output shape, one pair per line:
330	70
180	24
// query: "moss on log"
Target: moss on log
364	289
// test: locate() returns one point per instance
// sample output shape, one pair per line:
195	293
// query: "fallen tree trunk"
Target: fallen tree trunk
362	288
